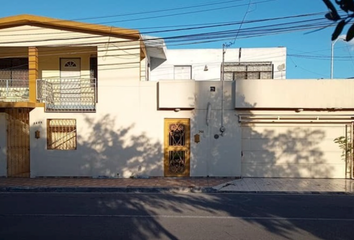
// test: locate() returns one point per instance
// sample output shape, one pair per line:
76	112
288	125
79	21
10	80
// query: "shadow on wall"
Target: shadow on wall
295	152
107	150
283	150
116	152
268	150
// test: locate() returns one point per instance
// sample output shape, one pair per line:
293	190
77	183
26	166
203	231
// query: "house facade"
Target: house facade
205	64
88	100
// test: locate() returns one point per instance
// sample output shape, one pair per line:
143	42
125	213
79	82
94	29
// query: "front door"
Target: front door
70	80
177	148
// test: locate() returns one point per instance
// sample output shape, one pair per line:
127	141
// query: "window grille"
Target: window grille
70	64
248	70
61	134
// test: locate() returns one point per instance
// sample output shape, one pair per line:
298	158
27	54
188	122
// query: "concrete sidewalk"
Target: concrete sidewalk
208	185
288	185
154	184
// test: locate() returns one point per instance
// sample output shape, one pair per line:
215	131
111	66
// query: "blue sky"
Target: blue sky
308	51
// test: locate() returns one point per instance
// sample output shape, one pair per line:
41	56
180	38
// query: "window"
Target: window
61	134
70	64
248	70
15	70
183	72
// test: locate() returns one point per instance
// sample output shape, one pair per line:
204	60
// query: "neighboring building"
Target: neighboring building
75	100
206	64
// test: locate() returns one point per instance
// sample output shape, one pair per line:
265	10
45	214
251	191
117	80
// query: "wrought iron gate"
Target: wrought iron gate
177	148
18	145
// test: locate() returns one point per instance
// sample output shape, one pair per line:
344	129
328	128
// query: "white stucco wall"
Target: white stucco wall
39	36
3	145
292	150
198	58
126	136
118	61
300	93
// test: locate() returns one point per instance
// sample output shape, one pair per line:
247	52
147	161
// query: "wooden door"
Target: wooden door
177	148
18	149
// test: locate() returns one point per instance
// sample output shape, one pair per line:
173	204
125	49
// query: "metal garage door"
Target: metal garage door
297	150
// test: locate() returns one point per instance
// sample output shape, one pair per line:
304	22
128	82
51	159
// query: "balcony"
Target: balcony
12	90
67	94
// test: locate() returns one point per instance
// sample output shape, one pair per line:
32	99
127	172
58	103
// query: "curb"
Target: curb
288	192
156	190
111	189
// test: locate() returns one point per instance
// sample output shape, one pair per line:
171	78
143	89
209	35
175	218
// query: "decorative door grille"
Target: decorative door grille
177	147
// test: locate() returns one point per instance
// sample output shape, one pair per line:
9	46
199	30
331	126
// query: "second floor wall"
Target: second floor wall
205	64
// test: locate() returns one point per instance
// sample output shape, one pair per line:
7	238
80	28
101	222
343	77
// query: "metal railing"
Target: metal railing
14	90
67	94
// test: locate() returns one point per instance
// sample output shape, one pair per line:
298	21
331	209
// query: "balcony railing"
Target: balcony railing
67	94
14	90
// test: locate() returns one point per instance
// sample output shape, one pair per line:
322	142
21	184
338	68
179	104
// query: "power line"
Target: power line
159	10
184	13
254	31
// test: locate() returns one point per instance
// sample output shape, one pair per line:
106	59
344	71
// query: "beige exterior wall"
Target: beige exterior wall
168	90
295	93
125	136
117	58
14	52
49	60
38	36
3	145
119	62
292	150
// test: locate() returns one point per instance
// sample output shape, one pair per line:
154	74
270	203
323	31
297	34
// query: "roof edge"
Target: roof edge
33	20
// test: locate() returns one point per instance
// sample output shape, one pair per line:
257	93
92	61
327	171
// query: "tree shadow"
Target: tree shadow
289	152
293	149
116	152
108	150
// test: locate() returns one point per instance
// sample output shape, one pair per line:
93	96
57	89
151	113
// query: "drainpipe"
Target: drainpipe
351	152
222	128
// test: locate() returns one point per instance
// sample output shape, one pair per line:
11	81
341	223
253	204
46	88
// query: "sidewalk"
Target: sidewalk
208	185
288	185
157	184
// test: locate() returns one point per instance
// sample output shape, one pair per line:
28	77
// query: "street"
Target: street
175	216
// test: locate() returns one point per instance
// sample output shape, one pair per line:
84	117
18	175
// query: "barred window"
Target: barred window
61	134
248	70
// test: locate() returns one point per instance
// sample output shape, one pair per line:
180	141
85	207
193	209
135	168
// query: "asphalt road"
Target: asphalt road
175	216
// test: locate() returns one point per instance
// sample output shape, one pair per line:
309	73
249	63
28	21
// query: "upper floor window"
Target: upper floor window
14	68
248	70
70	64
183	72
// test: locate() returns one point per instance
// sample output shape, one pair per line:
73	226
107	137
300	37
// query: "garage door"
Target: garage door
299	150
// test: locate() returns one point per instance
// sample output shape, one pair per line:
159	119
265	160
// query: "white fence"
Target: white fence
67	95
14	90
